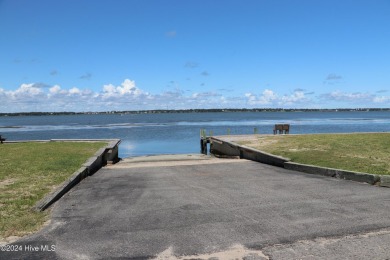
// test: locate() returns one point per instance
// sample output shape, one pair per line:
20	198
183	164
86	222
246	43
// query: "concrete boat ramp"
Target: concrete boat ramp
200	207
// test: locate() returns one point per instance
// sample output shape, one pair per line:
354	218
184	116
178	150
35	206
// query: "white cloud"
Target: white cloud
358	99
74	91
267	97
55	89
270	98
127	88
25	93
381	99
205	95
109	88
28	89
345	96
296	97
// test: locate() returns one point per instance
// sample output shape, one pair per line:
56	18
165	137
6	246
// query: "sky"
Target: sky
105	55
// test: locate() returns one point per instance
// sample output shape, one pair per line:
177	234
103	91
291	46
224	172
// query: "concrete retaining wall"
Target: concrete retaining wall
260	156
220	147
106	155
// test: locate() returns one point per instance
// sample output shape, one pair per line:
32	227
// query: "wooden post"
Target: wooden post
286	128
203	146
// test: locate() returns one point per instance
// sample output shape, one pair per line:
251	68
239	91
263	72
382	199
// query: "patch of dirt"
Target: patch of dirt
8	240
372	245
234	252
11	239
306	149
7	182
238	138
266	142
260	143
298	150
354	156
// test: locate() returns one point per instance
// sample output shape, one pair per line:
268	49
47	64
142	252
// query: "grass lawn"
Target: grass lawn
28	171
362	152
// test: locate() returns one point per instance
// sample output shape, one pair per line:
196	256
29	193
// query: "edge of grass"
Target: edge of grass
360	152
29	171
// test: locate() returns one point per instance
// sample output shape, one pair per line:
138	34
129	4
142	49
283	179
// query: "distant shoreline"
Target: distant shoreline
224	110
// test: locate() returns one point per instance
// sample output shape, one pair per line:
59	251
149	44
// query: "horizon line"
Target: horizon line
203	110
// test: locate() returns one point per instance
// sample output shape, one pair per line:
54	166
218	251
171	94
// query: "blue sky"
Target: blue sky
82	55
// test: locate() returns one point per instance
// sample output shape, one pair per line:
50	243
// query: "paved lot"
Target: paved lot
204	208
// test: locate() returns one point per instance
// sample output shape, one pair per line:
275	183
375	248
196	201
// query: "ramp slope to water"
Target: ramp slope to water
197	205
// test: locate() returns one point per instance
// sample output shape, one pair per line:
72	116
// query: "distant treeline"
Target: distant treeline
214	110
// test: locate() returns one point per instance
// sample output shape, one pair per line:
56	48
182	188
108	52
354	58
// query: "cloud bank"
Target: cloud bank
128	96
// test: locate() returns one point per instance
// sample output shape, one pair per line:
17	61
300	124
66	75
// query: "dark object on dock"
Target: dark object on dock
281	129
2	139
203	144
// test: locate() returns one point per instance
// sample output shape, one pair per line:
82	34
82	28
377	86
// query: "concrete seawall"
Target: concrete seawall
225	146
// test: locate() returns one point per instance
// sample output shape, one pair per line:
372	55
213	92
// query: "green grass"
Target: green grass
28	171
362	152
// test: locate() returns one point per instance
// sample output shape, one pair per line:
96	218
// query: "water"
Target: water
146	134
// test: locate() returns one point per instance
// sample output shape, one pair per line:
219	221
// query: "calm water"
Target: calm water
147	134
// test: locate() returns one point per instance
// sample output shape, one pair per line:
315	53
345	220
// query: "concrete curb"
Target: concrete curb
106	155
310	169
385	181
222	147
336	173
52	197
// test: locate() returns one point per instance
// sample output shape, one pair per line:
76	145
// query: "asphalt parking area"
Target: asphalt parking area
200	207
